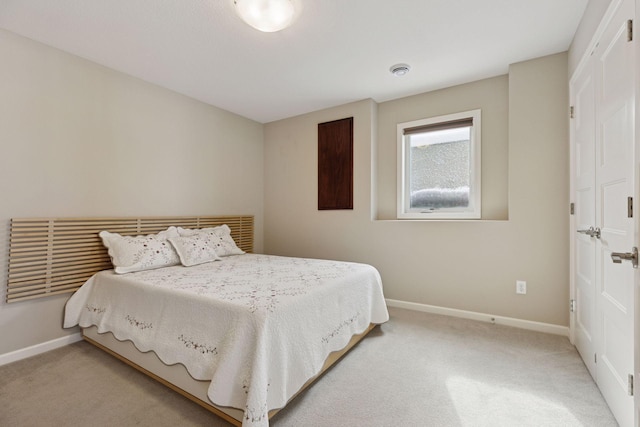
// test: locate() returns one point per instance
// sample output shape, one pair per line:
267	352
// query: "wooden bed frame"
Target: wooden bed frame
49	256
178	379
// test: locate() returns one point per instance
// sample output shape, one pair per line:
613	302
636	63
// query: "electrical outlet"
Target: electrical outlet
521	287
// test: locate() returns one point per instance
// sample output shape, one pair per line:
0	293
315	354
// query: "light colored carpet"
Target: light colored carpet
416	370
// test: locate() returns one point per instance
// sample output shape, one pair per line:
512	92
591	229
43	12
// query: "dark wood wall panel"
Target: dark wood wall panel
335	164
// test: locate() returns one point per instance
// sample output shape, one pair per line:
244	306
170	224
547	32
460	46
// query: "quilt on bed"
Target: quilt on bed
257	326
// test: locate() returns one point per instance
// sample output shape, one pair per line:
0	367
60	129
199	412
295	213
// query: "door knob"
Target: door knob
591	232
618	257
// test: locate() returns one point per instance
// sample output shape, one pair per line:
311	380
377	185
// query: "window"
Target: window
439	167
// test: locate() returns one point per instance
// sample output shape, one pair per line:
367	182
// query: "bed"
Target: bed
241	335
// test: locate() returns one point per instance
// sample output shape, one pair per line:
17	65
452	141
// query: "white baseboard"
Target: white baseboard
490	318
499	320
39	348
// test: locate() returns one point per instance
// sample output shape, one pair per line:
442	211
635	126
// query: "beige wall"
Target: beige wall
469	265
296	227
79	139
492	97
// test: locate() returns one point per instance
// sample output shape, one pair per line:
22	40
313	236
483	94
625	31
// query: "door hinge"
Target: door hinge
595	358
572	305
630	30
629	207
571	112
630	385
572	208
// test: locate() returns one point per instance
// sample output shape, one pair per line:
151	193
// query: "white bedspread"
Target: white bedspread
257	326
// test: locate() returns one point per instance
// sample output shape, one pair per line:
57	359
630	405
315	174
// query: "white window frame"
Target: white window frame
474	211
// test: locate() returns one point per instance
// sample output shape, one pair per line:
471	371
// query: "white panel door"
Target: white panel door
583	182
614	87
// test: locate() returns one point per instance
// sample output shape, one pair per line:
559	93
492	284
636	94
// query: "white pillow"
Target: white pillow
224	244
137	253
195	249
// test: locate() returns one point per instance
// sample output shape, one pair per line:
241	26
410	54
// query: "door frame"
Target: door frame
636	368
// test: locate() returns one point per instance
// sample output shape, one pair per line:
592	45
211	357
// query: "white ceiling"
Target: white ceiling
337	51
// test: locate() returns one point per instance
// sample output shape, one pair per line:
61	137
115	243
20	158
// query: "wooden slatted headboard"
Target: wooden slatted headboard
50	256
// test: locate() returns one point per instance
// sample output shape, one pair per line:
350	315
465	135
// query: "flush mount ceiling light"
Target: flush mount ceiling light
266	15
399	70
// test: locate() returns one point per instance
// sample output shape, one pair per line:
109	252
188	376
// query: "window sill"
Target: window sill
479	220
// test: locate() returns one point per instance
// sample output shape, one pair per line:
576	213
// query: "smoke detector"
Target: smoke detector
399	70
